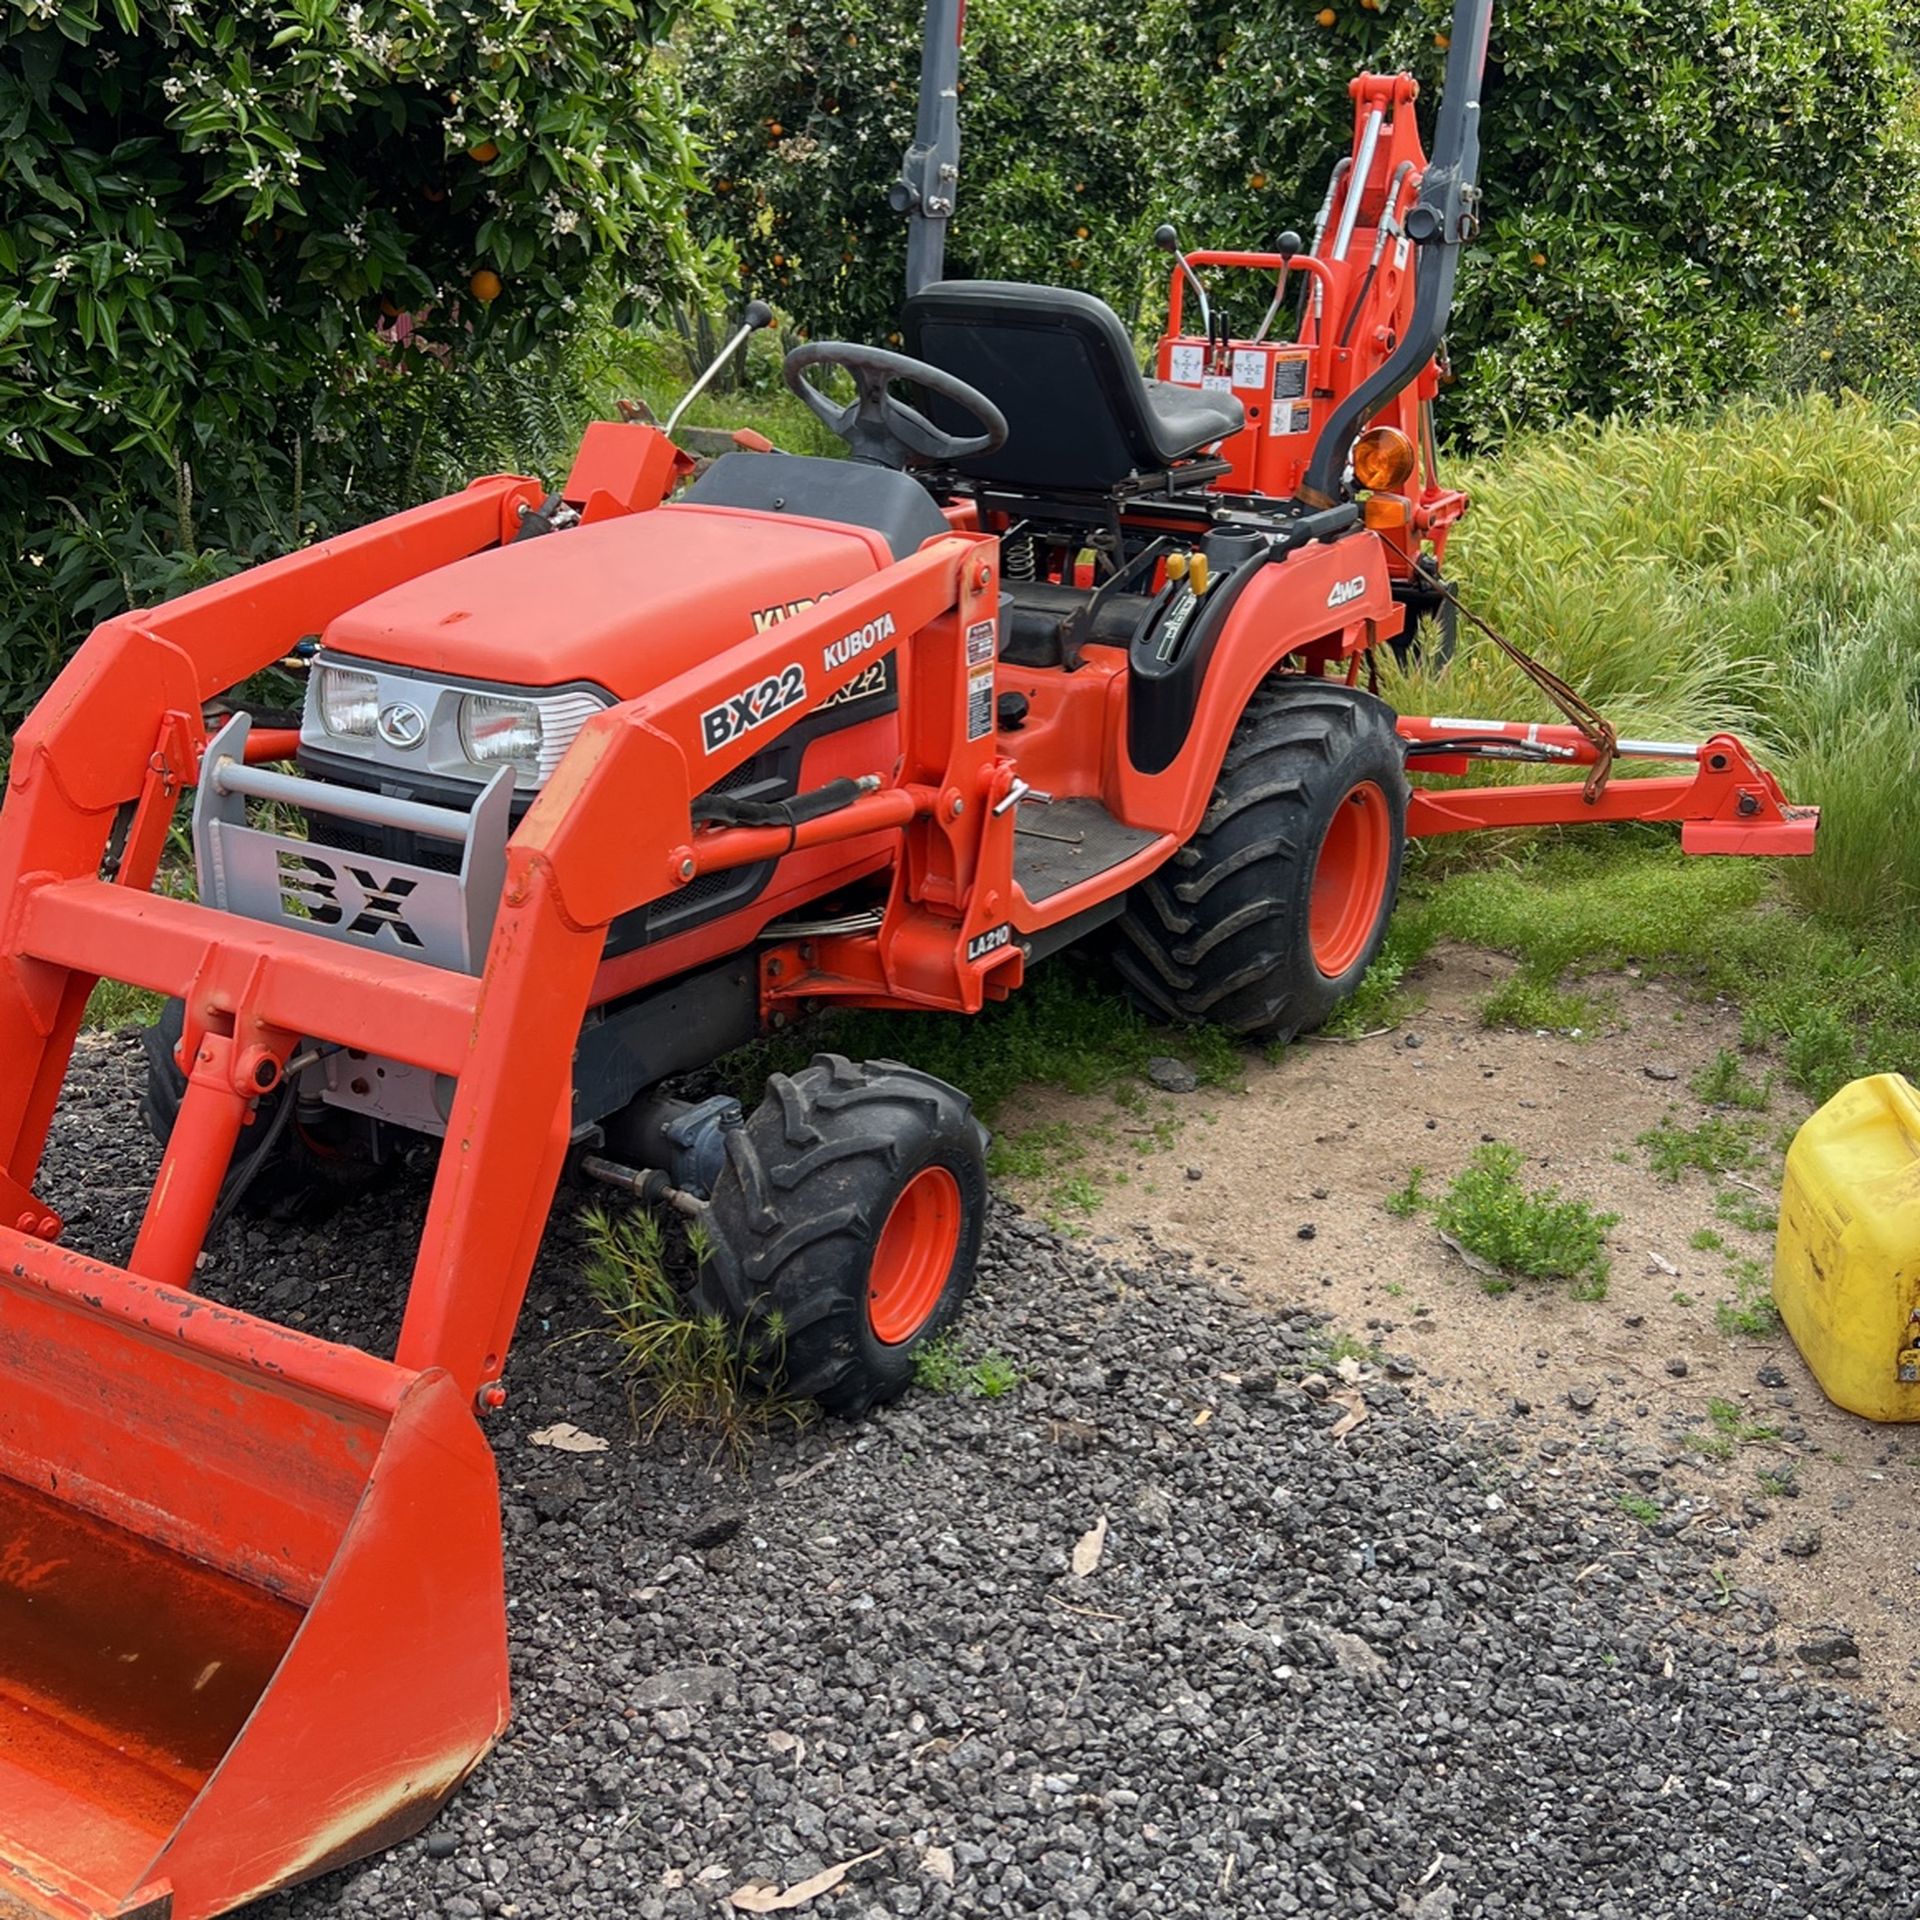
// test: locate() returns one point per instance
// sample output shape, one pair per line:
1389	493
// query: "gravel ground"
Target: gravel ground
1385	1673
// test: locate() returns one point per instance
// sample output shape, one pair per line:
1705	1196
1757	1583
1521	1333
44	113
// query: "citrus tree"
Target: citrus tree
228	226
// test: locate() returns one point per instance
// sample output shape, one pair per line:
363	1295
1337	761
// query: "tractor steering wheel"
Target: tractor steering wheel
886	431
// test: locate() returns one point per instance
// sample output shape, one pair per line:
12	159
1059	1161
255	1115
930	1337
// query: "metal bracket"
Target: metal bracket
360	899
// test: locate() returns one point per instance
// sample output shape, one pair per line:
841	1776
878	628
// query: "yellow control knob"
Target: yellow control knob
1176	566
1197	574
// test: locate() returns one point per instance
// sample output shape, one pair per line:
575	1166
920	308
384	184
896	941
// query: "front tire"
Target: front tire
846	1224
1271	914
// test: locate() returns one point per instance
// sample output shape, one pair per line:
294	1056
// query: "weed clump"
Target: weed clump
680	1365
1526	1233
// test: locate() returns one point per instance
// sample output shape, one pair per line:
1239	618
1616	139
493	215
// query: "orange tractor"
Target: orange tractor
593	785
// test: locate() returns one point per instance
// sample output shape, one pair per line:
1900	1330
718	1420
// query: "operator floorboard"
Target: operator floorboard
1059	845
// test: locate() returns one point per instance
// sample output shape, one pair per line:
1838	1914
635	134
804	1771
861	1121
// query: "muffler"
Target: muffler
251	1613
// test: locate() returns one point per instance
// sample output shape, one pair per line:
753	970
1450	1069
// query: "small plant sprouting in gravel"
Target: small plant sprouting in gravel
1683	1299
1716	1145
1529	1234
1536	1005
1404	1202
1777	1483
1723	1082
689	1367
1637	1506
941	1367
1705	1240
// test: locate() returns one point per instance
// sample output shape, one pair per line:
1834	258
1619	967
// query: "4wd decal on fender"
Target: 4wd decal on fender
991	941
753	707
861	640
1345	590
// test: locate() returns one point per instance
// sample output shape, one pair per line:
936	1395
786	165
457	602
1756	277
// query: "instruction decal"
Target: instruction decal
991	941
979	703
1185	365
1291	411
1249	367
980	641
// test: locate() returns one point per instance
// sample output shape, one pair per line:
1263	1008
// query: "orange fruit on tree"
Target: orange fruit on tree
1326	16
485	286
485	152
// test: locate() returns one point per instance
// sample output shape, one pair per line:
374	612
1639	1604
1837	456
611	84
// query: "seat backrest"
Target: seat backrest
1057	363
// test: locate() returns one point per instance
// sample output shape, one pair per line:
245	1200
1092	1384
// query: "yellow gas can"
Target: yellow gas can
1846	1265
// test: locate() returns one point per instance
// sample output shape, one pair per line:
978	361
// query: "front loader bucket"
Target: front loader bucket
252	1622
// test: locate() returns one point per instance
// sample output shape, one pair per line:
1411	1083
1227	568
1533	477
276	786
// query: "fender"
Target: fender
1334	599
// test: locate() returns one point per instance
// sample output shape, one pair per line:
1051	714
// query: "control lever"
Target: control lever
1167	239
757	315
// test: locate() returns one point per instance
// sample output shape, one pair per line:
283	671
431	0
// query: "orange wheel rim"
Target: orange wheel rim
914	1256
1350	879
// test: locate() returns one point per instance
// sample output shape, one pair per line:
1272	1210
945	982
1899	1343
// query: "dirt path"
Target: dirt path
1279	1188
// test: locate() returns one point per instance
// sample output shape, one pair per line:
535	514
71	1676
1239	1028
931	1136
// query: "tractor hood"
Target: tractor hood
626	604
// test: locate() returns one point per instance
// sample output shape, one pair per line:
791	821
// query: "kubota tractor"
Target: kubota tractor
593	785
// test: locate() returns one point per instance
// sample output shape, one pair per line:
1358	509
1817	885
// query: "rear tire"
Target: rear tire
1271	914
307	1173
846	1224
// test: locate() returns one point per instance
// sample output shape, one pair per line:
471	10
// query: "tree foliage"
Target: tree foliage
221	219
1664	178
809	106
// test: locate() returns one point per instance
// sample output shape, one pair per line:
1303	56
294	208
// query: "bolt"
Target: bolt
956	807
686	868
494	1397
775	968
982	575
48	1227
25	1223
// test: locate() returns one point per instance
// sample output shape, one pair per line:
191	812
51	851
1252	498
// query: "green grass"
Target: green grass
1531	1234
1533	1004
1728	1429
1724	1082
1637	1506
1748	1311
1715	1146
1745	1211
1407	1201
1066	1028
1381	1000
1705	1240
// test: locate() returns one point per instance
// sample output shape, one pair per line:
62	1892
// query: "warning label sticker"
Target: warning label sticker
980	642
1186	365
1289	377
979	703
1294	416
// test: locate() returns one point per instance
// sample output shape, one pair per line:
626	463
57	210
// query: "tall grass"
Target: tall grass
1759	572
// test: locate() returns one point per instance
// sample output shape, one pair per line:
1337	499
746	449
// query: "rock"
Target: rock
1414	1040
1306	1231
441	1845
1657	1072
606	1786
685	1687
1804	1544
1193	1173
1170	1075
1770	1376
715	1527
1678	1368
1828	1649
1581	1399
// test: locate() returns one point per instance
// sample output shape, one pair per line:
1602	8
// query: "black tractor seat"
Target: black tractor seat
1059	365
856	494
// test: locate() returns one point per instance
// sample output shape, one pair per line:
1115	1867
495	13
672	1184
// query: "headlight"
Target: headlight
528	735
348	702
